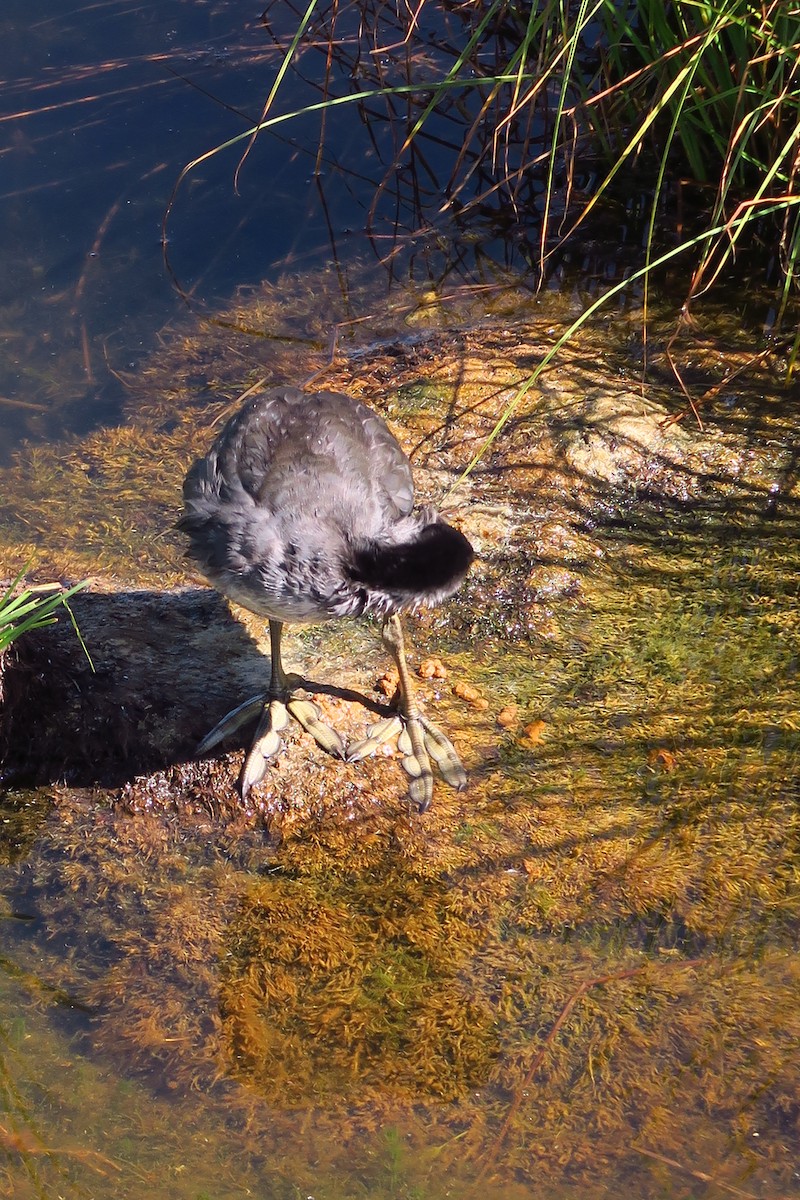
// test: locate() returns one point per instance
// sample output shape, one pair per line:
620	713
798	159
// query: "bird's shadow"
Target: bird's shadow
165	668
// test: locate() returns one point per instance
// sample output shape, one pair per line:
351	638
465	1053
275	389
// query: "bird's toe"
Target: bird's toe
419	741
444	754
420	790
266	745
231	722
377	734
307	714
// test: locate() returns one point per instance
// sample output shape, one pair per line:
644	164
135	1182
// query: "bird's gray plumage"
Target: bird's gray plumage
303	510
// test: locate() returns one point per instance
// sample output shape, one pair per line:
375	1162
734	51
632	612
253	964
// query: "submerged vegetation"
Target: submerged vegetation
581	971
578	975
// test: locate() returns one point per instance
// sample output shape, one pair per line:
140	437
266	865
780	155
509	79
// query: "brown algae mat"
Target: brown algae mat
579	975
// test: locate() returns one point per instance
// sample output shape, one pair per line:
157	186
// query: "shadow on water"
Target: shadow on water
164	668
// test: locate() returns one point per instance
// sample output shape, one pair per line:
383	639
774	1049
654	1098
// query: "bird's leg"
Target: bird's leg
274	717
420	740
416	761
276	708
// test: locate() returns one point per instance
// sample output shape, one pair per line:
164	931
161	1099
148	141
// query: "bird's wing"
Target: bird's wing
247	447
285	443
389	467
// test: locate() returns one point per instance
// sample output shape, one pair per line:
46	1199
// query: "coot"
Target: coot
302	511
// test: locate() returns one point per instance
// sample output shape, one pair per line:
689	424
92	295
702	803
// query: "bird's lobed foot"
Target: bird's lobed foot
308	714
419	741
266	744
275	714
444	754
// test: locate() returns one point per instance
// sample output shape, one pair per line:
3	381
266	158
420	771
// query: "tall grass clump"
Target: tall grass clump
669	131
708	97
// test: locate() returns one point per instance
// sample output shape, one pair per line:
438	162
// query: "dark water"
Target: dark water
104	105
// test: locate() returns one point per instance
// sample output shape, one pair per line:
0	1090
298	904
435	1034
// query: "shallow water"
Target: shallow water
582	976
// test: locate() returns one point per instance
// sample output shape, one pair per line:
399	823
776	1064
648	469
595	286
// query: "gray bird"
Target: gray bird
302	510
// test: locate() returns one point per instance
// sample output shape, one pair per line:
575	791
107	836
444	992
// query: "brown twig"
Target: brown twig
711	393
25	1142
701	1175
23	404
